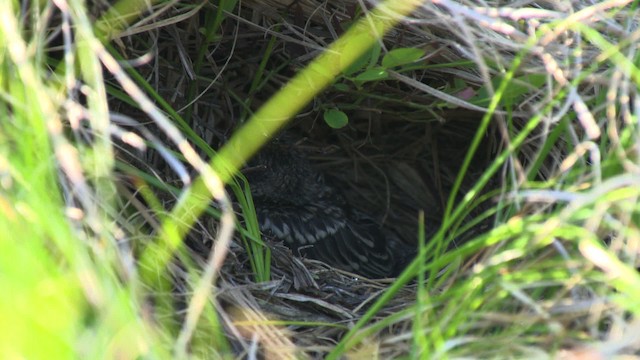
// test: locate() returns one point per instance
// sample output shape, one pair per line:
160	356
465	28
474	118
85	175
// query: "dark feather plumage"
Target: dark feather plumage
295	204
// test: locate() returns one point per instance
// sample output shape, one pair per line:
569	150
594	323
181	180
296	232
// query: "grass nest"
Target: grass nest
400	153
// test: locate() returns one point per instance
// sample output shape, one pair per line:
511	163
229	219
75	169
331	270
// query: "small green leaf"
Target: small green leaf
374	55
373	74
336	118
458	83
401	56
516	89
341	87
365	60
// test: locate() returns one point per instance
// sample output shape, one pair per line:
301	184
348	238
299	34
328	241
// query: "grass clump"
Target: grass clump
500	141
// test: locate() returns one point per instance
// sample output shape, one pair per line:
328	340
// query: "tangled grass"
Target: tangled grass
500	141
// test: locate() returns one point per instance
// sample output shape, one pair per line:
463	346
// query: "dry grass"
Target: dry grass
543	93
400	153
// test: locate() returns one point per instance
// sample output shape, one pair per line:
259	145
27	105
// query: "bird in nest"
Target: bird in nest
297	205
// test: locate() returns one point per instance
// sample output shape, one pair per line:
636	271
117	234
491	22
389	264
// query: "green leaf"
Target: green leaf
367	59
336	118
401	56
341	87
374	55
373	74
515	90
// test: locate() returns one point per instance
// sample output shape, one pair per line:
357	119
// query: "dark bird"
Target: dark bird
295	204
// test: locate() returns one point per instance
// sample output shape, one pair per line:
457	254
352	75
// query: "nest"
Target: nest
399	155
